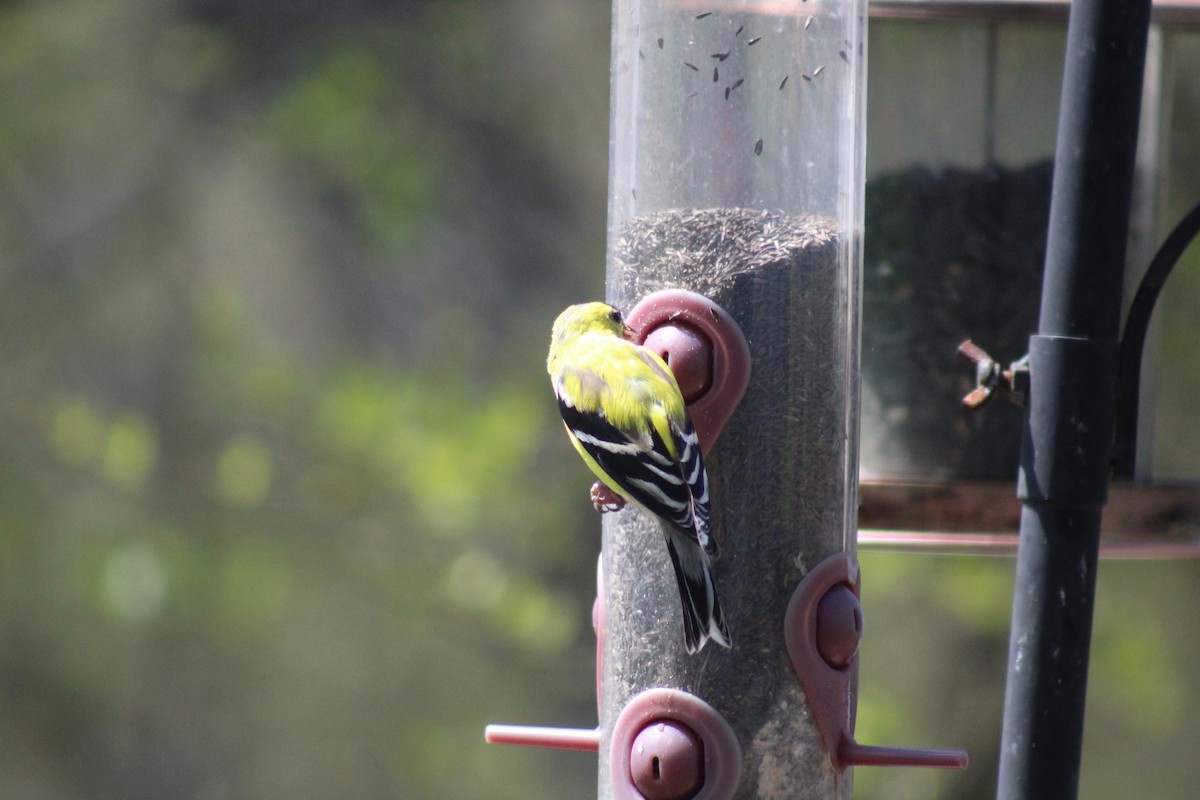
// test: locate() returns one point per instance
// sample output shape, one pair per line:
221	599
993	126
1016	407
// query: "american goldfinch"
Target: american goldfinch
626	416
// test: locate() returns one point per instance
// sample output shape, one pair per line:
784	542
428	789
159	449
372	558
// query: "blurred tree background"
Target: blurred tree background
285	510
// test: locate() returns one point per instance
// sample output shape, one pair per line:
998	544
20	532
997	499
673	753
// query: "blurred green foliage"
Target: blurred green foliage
934	660
285	510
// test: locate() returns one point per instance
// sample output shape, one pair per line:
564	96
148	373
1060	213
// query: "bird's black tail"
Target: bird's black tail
702	618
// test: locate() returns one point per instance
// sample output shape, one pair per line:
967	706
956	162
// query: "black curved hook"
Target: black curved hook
1129	375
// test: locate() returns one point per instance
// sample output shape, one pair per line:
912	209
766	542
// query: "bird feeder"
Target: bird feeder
736	176
964	104
736	173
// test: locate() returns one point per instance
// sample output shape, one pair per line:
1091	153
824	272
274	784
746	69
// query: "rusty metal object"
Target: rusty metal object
989	376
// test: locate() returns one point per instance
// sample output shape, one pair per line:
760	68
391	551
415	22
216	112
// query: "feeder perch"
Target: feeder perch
823	627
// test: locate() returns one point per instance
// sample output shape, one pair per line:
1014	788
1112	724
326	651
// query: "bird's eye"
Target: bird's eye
615	316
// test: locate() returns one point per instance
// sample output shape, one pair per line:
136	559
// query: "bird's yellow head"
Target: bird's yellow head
586	318
589	318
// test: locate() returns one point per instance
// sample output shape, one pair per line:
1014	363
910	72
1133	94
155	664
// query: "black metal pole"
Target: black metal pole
1064	471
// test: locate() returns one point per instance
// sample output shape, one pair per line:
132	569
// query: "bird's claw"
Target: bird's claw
605	499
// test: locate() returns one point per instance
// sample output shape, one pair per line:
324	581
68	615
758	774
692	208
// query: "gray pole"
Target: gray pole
1068	434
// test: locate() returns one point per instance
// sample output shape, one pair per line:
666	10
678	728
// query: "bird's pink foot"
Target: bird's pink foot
605	499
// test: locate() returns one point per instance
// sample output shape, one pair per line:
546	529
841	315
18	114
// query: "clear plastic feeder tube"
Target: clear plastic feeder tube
754	104
737	162
737	172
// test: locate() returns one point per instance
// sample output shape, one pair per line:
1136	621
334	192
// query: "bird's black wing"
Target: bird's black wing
640	464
